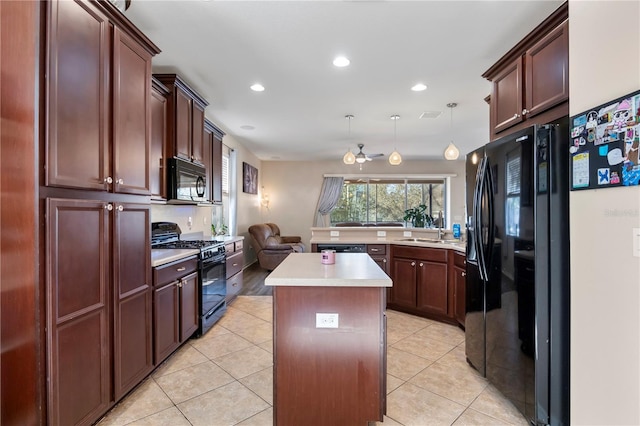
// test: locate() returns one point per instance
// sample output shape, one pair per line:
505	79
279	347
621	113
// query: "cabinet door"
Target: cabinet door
459	284
432	287
197	133
547	71
189	312
506	99
133	357
216	169
234	286
131	115
182	124
166	321
157	168
77	300
404	282
79	48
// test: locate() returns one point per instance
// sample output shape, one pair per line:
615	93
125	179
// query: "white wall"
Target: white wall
604	62
294	188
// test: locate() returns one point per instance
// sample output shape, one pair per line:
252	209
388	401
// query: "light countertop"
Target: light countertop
349	270
162	256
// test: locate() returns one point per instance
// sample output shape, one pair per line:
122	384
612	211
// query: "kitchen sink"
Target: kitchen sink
427	240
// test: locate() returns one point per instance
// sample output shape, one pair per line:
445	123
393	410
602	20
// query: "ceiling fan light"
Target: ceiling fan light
361	159
452	152
349	158
395	158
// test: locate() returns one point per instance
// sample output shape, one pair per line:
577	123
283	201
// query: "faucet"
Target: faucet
440	231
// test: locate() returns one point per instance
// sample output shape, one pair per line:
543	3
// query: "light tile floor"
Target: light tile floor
225	377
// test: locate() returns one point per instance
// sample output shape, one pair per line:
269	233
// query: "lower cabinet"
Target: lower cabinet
235	263
458	278
98	300
420	282
175	301
380	254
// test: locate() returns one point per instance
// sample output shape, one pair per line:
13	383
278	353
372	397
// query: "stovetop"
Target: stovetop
187	244
166	235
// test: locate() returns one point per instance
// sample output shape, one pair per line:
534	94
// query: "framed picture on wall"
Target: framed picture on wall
249	178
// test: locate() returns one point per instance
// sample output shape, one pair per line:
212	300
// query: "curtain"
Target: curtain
329	197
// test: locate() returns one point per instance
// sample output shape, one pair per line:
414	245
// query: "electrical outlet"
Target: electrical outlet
382	233
189	222
326	320
406	233
204	220
335	233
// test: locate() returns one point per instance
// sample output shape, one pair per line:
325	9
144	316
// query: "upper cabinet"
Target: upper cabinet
531	82
157	164
213	160
98	100
185	120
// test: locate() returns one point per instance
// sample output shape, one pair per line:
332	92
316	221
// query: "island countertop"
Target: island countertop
349	270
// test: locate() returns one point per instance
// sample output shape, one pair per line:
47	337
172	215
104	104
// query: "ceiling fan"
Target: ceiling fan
361	157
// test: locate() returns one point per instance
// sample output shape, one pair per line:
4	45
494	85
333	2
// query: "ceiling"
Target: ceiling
221	48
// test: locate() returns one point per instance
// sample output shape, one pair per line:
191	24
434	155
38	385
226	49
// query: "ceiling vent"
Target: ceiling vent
430	114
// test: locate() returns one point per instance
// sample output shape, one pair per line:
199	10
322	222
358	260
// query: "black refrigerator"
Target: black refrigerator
517	282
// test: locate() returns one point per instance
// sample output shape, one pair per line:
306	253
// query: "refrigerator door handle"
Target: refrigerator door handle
480	181
488	256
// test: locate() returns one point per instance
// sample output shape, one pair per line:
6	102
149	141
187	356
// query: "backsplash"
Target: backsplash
191	219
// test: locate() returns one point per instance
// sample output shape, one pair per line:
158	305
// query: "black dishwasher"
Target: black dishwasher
343	248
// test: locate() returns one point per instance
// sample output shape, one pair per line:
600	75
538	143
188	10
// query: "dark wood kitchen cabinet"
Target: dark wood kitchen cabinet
99	90
98	284
420	281
185	119
175	305
213	160
458	280
530	84
96	187
235	263
157	161
380	254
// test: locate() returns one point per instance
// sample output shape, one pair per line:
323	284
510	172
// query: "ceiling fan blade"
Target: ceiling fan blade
375	155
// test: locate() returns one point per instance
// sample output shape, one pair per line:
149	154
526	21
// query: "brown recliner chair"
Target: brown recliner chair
271	247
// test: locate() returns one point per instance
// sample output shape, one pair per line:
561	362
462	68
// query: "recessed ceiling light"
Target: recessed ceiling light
247	127
341	61
419	87
257	87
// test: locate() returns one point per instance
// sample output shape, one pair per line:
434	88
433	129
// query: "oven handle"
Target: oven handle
218	259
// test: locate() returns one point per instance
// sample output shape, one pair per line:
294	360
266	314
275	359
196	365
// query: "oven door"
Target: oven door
213	291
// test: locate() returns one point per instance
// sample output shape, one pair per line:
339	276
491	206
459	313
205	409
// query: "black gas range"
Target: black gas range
212	275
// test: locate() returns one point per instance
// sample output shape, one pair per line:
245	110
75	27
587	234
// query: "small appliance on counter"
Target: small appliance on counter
212	274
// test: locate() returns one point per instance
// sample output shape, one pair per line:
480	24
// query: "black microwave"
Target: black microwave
186	182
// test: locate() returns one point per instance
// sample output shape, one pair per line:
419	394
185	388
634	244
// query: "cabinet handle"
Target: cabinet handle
234	264
235	284
120	208
421	264
179	285
516	115
525	111
108	180
182	268
120	181
109	206
464	274
384	260
375	249
413	263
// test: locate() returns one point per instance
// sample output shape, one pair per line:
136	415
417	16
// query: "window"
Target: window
373	200
512	208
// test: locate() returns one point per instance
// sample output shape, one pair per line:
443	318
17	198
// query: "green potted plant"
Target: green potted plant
418	216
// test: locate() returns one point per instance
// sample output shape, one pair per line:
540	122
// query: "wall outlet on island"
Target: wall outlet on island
334	234
326	320
382	233
406	233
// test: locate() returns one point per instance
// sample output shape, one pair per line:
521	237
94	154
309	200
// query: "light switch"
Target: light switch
326	320
636	242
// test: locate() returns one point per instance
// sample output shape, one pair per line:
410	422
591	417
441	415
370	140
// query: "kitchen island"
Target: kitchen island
329	340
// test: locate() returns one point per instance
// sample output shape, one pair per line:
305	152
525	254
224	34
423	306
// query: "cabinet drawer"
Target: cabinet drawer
239	245
229	248
421	253
376	249
173	271
235	263
459	260
234	285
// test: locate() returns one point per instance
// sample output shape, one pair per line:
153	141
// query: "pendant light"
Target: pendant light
349	157
395	158
452	152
